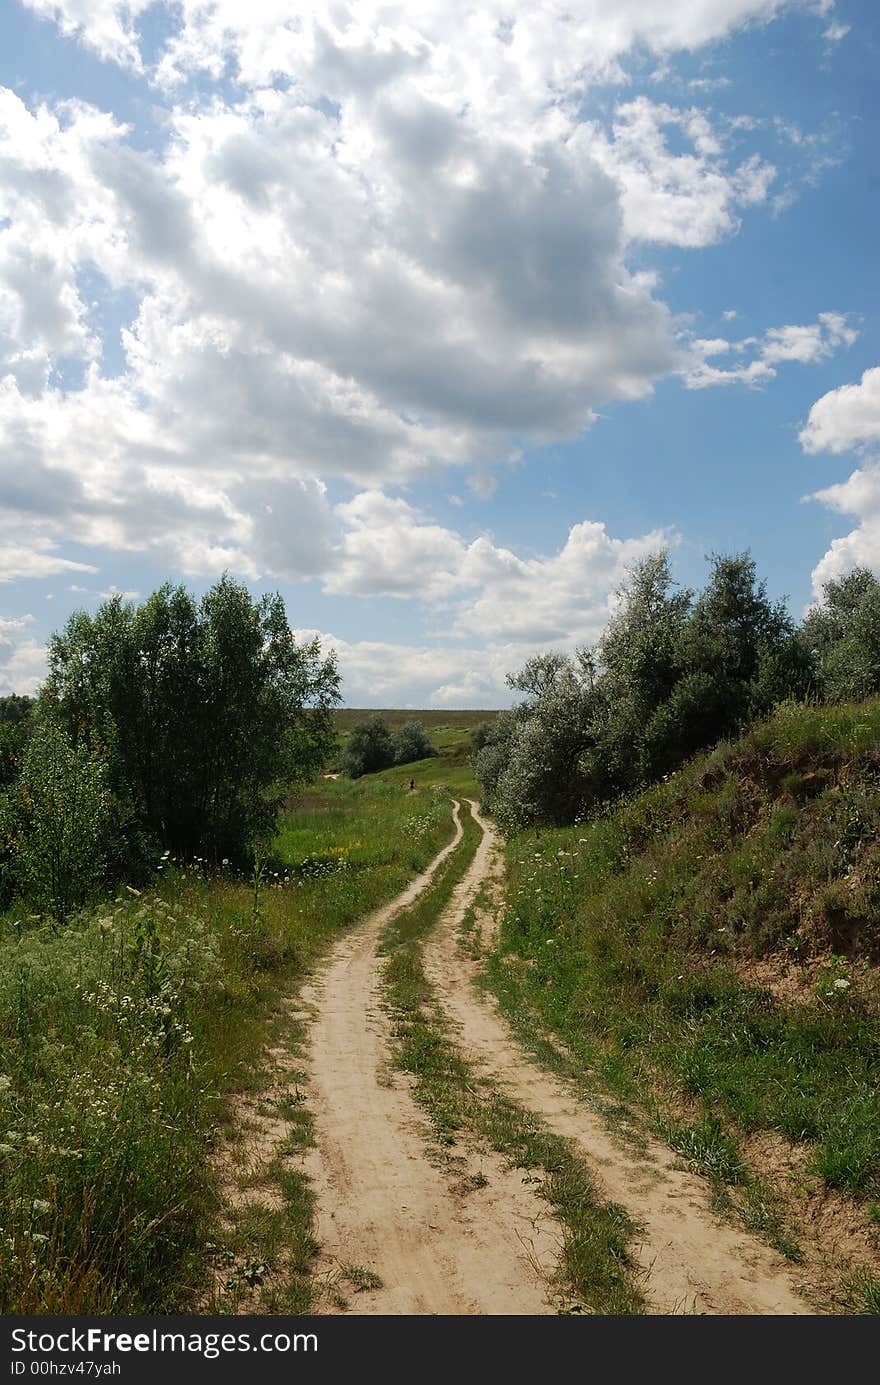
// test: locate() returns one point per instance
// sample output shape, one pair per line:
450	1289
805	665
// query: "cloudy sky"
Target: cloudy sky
434	316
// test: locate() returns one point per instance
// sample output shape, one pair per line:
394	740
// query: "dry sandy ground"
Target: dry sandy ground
442	1242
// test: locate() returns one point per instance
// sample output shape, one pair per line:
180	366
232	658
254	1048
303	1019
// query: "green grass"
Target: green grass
860	1293
600	1273
122	1034
631	938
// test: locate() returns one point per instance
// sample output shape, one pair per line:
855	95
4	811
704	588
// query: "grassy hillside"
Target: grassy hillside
346	717
449	769
709	949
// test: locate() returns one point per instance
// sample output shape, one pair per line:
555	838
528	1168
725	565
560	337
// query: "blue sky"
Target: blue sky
435	318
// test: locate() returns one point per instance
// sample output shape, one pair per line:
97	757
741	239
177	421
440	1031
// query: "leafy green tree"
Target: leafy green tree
411	742
63	810
16	724
209	711
369	748
843	634
735	656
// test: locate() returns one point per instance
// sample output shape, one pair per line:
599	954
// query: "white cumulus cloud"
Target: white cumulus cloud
754	360
845	418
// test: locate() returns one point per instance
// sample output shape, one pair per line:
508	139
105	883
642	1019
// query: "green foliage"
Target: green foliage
369	748
13	739
672	674
62	806
844	635
210	711
15	709
411	742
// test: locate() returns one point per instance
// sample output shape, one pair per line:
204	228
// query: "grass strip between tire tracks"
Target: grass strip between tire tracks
601	1273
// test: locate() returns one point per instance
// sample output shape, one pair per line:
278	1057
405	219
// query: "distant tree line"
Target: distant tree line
373	746
178	724
675	672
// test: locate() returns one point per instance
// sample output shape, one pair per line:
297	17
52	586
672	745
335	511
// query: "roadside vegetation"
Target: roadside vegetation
675	672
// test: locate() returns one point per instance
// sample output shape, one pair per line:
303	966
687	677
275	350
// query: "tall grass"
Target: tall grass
122	1033
640	932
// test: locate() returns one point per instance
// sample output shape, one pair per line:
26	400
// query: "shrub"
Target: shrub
410	742
369	748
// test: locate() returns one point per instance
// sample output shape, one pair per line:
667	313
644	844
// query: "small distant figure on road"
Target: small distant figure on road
412	784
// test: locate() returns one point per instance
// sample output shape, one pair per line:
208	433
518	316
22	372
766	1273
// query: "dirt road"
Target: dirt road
434	1240
438	1243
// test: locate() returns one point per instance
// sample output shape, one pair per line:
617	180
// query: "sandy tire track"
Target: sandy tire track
383	1200
692	1261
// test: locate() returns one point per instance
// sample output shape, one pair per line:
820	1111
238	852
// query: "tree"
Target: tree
843	635
736	655
63	802
15	728
369	748
640	658
533	762
209	710
15	709
410	742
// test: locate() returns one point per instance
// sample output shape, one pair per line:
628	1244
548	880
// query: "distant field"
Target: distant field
346	717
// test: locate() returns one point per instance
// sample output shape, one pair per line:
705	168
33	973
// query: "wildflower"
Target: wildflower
5	1082
841	984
